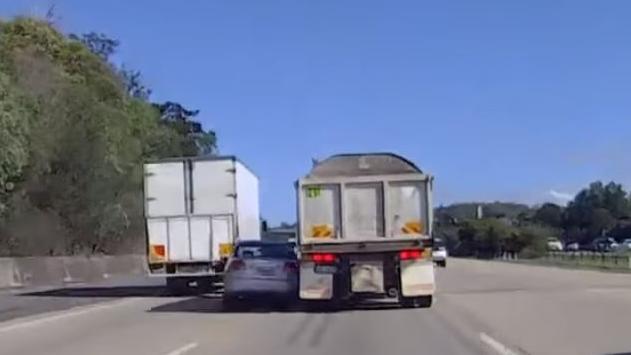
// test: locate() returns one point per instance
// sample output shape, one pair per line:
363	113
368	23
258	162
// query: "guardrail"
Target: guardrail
49	271
591	259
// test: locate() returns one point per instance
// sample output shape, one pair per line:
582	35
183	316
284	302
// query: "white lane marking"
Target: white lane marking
184	349
496	345
65	314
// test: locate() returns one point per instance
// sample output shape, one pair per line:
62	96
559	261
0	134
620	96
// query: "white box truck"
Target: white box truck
364	230
195	210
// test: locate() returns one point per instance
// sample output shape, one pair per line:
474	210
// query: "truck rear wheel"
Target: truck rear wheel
416	302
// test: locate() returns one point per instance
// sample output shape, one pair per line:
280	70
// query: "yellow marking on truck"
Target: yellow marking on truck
225	249
412	227
321	231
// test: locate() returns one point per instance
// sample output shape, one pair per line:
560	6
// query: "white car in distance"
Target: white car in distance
625	245
439	254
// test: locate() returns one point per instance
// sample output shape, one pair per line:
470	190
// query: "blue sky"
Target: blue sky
500	100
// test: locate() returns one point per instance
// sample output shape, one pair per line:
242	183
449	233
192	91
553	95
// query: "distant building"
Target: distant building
479	214
280	234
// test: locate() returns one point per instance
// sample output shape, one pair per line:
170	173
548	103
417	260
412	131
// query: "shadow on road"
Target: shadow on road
105	292
212	303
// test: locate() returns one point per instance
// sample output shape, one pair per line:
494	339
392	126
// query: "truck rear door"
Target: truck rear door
366	210
408	201
166	211
214	204
321	211
189	209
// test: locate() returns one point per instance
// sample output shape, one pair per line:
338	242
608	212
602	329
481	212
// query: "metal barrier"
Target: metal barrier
60	270
591	259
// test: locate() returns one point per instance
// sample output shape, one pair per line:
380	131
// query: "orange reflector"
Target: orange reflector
226	250
157	253
159	250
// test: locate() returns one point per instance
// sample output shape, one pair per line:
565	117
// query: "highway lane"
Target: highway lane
481	308
22	302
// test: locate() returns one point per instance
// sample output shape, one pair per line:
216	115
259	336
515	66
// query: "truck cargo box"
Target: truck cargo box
196	209
364	202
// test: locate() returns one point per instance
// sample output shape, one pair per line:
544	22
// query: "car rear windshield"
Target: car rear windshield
280	251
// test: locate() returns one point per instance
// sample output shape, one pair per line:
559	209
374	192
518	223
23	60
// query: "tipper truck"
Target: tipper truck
195	210
364	230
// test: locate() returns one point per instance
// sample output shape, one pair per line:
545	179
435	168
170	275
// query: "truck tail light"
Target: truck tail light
410	254
236	264
323	258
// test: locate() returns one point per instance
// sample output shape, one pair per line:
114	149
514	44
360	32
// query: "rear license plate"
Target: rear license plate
267	271
325	269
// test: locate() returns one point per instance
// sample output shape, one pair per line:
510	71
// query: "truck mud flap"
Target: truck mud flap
417	278
315	286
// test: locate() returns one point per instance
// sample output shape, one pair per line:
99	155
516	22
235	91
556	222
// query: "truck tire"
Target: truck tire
442	263
416	302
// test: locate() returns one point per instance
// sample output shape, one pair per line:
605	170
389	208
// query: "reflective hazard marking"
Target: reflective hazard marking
412	227
321	231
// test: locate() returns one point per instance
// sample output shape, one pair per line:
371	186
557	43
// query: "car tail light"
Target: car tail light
410	254
291	266
236	264
325	258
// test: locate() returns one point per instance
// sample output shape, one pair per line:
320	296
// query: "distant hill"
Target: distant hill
467	210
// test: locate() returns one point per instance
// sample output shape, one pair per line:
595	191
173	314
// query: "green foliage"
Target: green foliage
549	214
596	211
14	127
97	43
463	211
73	137
531	241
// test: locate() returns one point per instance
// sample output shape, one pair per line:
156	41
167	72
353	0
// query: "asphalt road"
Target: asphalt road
481	308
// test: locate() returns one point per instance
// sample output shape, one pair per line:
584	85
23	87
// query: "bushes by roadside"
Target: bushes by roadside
74	132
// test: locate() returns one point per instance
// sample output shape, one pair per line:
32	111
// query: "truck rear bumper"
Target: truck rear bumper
407	278
186	269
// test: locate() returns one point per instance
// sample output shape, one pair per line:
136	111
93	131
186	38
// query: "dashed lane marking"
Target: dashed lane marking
183	349
496	345
20	324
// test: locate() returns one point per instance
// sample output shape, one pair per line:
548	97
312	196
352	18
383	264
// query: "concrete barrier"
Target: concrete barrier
9	276
53	271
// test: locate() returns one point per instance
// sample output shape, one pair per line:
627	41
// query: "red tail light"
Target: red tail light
291	266
410	254
323	258
236	264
